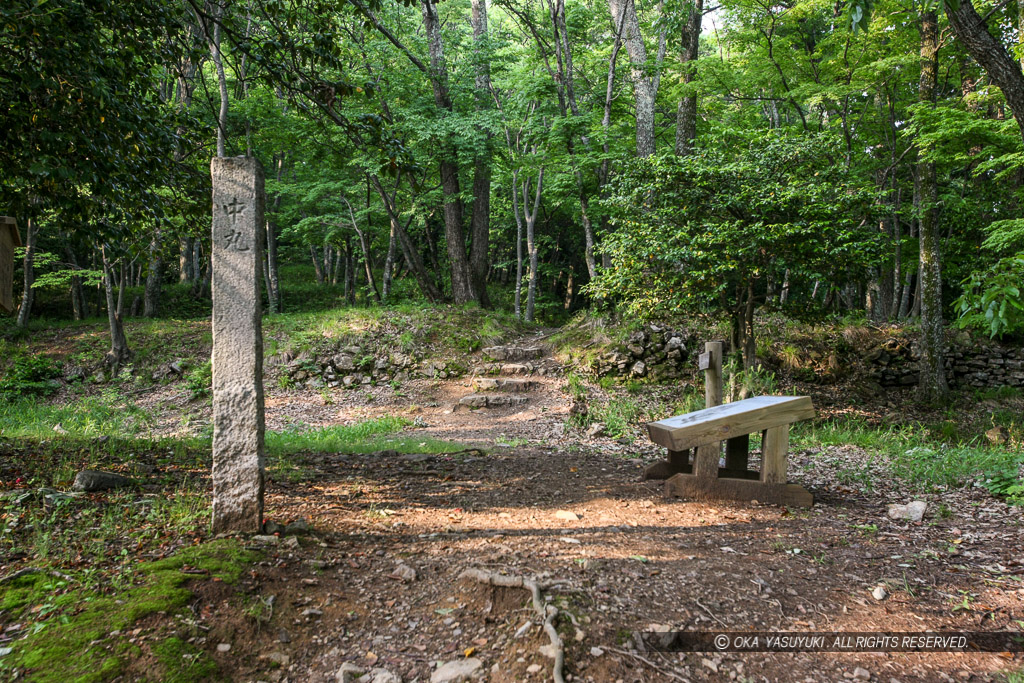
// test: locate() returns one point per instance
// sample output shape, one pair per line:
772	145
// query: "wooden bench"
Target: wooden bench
694	443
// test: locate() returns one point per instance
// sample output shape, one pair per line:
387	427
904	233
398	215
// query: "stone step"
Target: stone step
491	400
512	385
503	369
513	353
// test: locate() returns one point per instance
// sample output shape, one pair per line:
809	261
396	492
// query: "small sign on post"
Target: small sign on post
9	240
704	361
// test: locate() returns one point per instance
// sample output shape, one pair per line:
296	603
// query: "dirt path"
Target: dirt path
630	560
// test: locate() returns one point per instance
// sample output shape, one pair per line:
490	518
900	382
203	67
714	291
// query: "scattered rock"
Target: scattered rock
224	647
596	652
94	480
534	669
596	429
283	636
567	515
911	512
457	671
279	658
349	673
549	651
861	673
266	539
404	572
299	527
312	613
879	592
383	676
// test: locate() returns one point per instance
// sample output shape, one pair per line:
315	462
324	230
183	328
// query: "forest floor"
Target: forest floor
375	579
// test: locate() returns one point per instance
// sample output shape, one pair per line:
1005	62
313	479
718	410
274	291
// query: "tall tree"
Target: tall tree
933	373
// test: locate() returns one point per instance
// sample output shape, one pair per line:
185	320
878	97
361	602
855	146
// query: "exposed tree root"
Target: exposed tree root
546	612
36	570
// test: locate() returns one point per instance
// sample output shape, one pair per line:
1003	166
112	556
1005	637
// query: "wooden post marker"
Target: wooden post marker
238	422
9	239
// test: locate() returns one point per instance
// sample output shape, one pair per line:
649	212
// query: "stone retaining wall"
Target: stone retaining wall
656	351
978	365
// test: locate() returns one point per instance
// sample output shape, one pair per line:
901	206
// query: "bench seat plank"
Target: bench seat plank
729	420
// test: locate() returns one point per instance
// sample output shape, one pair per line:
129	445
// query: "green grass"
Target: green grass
74	643
914	454
88	417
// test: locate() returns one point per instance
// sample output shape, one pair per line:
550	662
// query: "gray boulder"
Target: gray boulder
91	481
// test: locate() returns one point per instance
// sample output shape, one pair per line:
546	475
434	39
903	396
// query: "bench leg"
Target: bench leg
705	462
737	451
678	462
775	454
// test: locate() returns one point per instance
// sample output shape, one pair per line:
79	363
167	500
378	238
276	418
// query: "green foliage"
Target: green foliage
30	375
199	380
697	234
992	300
1007	482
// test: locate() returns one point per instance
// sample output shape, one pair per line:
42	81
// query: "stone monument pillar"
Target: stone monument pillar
238	459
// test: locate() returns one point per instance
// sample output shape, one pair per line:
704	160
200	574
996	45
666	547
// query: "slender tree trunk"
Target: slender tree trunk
222	82
686	116
154	278
480	221
186	269
350	272
119	352
273	283
462	282
519	245
317	266
933	373
531	242
28	296
412	256
78	303
389	267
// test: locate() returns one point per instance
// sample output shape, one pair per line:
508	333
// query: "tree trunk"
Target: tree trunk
186	273
462	283
480	221
519	245
154	278
389	267
686	116
273	281
933	374
119	352
644	90
28	296
531	242
412	257
988	51
318	268
222	82
78	303
350	272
